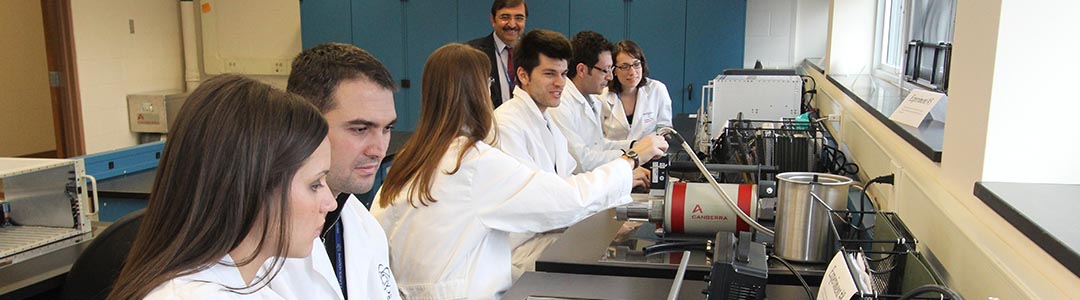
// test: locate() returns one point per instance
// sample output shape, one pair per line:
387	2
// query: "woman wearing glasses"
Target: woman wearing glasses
636	105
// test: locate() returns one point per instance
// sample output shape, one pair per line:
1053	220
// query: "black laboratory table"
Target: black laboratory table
586	248
1045	213
580	286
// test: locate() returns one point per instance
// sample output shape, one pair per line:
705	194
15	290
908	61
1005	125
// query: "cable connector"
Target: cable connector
886	179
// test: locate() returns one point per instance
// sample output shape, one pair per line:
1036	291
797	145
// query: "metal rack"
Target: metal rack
880	243
787	145
45	207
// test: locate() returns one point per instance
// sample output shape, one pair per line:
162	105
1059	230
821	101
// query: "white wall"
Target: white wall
811	29
113	62
851	44
1032	136
770	33
26	120
979	253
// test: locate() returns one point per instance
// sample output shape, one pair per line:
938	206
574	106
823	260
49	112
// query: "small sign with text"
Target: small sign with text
915	107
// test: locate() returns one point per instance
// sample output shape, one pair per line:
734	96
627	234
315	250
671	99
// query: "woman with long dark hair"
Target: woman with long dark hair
635	105
451	200
240	188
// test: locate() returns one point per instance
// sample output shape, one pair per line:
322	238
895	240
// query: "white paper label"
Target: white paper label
915	107
837	283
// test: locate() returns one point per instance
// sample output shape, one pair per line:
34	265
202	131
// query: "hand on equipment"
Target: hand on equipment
641	177
649	148
626	230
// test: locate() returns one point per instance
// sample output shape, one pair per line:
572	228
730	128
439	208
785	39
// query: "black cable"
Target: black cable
834	161
673	246
806	102
805	285
931	288
886	179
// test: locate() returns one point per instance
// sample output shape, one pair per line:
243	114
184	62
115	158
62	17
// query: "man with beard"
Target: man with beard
355	93
508	21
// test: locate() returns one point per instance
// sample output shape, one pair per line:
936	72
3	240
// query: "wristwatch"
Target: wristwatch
632	156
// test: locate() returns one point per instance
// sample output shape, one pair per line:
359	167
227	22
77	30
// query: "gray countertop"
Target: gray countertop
1045	213
880	99
580	286
581	247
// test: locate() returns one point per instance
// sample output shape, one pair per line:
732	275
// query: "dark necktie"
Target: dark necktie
510	71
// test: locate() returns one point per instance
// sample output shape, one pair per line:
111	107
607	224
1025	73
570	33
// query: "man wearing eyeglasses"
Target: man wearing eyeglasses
578	115
508	21
527	133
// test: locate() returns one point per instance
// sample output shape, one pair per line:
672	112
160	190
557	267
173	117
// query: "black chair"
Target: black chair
93	274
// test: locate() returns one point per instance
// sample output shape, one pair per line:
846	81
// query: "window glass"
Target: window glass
915	39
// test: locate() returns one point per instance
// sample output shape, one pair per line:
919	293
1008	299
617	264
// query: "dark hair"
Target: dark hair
587	48
455	102
500	4
630	48
237	142
317	71
552	44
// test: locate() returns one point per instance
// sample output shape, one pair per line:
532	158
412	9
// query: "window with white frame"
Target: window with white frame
892	28
914	41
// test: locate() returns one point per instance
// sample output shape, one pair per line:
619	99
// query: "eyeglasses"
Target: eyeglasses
507	17
605	71
626	67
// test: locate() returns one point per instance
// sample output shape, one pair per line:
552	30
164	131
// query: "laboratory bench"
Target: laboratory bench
588	247
555	286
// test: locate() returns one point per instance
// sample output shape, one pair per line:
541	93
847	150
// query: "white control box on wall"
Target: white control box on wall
255	37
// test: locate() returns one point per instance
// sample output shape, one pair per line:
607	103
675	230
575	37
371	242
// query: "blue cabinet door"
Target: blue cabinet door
607	17
550	15
659	27
378	27
474	19
429	24
715	38
325	21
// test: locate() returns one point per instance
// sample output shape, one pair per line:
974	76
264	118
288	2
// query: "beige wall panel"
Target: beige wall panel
26	121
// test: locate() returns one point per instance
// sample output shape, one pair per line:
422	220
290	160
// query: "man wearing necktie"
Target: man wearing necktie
508	21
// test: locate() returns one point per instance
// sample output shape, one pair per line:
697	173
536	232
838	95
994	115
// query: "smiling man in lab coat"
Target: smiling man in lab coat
355	93
578	114
526	130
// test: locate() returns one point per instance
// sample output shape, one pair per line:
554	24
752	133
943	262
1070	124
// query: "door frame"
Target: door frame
60	53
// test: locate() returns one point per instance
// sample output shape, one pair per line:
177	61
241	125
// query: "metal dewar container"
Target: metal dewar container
802	224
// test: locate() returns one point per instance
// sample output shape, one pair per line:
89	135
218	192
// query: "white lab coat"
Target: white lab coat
533	139
458	247
580	123
213	283
529	135
653	109
367	263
